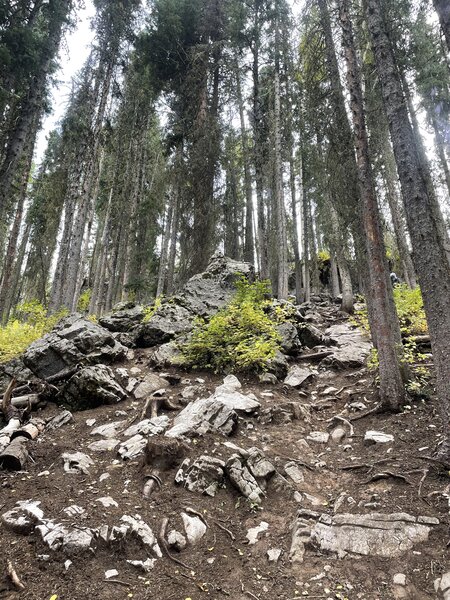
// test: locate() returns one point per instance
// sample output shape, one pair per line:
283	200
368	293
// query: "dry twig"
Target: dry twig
13	576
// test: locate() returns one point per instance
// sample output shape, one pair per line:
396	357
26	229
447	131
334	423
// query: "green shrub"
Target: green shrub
149	311
84	301
241	337
29	323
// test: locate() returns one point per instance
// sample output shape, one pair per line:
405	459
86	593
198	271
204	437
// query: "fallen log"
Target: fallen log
9	412
26	401
30	431
315	355
14	457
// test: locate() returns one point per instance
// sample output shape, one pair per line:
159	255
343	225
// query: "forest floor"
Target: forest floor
223	564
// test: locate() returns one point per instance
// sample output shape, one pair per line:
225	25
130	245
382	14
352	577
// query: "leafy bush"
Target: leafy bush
84	301
240	337
410	310
29	324
149	311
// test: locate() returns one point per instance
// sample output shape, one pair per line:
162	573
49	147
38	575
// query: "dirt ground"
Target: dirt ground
224	565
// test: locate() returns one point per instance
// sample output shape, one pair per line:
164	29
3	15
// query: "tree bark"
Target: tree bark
443	10
429	256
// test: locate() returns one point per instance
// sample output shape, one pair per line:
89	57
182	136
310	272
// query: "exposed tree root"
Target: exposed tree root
162	542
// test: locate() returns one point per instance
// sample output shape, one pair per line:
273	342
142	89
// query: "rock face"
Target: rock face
204	475
203	295
92	387
387	535
353	347
123	320
73	341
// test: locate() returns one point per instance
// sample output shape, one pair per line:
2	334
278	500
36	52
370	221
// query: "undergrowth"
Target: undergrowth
30	322
240	337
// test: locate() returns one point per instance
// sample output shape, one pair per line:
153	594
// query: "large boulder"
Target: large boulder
203	295
124	319
74	341
91	387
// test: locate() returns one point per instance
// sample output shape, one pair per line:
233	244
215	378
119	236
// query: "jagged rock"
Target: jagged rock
60	537
301	535
353	347
241	477
151	384
320	437
253	533
194	527
387	535
166	355
123	320
273	554
14	368
290	343
377	437
109	430
310	336
144	565
206	293
294	472
60	420
218	412
176	540
191	391
23	517
143	532
297	376
259	465
92	387
148	427
278	365
204	475
169	320
107	445
269	378
442	586
77	462
74	341
132	448
286	413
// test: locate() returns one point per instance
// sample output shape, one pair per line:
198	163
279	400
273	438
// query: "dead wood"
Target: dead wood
9	411
153	480
13	576
387	475
315	355
230	533
14	457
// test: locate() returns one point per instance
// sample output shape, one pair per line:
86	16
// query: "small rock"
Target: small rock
176	540
320	437
377	437
151	384
77	462
109	430
297	376
338	434
91	422
269	378
107	502
104	445
74	510
273	554
111	573
68	564
253	533
399	579
145	565
194	527
292	470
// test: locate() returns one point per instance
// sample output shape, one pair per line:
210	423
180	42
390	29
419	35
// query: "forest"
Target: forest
252	187
313	145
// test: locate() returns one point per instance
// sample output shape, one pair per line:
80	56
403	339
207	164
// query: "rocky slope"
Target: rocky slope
176	485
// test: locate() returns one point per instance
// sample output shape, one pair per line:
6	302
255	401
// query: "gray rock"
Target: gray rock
169	321
216	413
104	445
297	376
338	434
293	471
273	554
132	447
176	540
205	475
70	541
91	387
109	430
290	343
123	320
253	533
387	535
166	355
77	462
194	527
148	427
442	586
60	420
353	347
241	477
151	383
320	437
269	378
278	365
144	565
259	465
73	341
137	526
377	437
301	535
310	336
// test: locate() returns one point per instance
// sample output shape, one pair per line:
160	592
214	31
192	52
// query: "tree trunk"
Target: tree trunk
429	256
443	10
386	322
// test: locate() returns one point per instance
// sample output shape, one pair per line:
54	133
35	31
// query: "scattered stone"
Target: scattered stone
144	565
241	477
132	447
377	437
74	510
68	564
191	391
107	502
290	343
387	535
338	434
77	462
104	445
294	472
143	532
149	427
320	437
205	475
273	554
109	430
166	355
194	527
443	585
176	540
23	517
91	422
278	365
74	341
253	533
297	376
60	420
111	573
310	336
268	378
151	384
353	347
399	579
301	534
